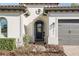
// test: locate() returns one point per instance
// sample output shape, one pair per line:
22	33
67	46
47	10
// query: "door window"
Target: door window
39	27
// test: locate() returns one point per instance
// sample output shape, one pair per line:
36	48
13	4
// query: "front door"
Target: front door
39	34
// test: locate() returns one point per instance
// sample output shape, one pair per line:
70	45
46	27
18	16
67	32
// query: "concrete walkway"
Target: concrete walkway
71	50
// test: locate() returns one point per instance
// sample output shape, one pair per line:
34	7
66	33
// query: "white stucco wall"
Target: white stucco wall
53	17
53	30
13	24
14	29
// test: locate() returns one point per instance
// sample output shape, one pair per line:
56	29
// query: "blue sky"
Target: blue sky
65	4
39	1
10	1
61	4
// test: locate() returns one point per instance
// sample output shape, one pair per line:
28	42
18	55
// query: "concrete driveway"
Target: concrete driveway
71	50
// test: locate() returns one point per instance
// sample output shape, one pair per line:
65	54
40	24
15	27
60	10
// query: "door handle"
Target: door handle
43	33
69	31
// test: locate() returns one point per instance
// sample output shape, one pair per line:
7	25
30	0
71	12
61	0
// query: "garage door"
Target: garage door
68	31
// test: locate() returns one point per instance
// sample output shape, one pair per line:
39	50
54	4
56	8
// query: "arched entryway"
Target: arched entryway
39	30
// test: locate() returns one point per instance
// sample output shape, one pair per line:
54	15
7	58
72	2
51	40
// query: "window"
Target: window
39	27
3	27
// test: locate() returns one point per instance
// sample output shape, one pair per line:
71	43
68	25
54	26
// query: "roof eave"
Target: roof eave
61	9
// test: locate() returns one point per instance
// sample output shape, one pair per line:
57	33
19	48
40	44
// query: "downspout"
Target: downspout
20	25
20	39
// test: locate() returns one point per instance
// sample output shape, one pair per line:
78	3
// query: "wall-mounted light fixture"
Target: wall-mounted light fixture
27	14
52	26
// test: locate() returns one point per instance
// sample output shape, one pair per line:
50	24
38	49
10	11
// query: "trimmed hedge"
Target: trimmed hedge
7	43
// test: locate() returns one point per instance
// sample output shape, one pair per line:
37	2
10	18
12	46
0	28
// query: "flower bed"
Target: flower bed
36	50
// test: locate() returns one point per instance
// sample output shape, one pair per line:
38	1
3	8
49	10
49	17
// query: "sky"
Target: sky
10	1
65	4
39	1
61	4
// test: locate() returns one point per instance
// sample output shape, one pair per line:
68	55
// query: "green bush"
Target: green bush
7	43
26	39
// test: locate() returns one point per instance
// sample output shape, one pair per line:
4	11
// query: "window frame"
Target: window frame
5	22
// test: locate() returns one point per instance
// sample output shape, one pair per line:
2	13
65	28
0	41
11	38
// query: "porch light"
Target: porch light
27	14
52	26
45	14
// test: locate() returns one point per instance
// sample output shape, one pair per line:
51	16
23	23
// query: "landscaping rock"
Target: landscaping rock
38	48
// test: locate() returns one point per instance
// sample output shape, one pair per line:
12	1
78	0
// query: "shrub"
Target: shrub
26	39
7	43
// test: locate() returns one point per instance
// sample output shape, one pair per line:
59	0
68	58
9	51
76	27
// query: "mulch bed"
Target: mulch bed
51	50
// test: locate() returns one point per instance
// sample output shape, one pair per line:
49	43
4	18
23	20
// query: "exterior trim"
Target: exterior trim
39	3
61	9
13	7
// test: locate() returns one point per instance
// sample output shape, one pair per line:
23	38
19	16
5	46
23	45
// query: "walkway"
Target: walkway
71	50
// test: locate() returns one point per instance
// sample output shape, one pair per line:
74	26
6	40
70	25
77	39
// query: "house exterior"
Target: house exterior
43	22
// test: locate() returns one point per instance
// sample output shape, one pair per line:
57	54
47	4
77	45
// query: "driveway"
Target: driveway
71	50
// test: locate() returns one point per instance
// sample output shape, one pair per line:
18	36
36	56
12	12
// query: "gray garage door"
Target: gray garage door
68	31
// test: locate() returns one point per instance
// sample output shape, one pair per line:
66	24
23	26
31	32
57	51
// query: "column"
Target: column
53	31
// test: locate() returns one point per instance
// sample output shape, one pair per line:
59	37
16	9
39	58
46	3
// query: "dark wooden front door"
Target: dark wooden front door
39	34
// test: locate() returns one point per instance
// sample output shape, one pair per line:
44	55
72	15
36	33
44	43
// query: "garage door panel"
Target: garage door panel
74	32
63	29
68	32
74	37
62	37
63	41
68	40
63	32
74	26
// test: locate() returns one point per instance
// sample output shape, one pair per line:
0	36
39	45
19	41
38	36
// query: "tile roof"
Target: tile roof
61	8
12	7
41	3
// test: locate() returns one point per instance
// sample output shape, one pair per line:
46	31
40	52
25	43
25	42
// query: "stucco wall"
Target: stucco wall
14	29
53	30
13	26
13	20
